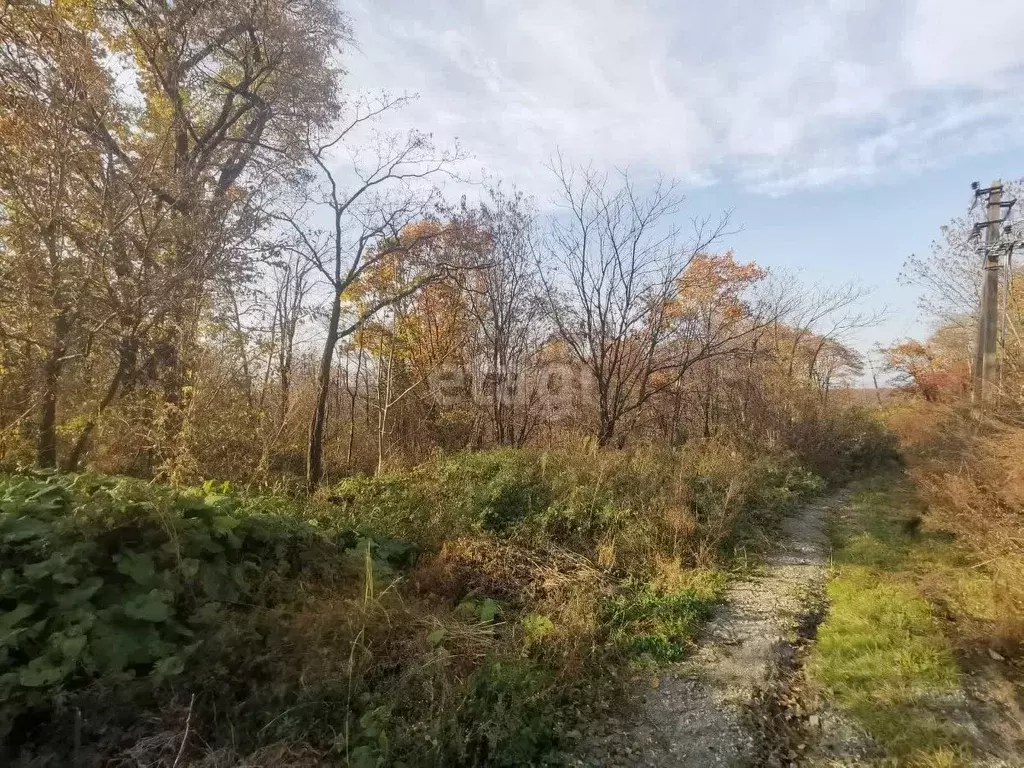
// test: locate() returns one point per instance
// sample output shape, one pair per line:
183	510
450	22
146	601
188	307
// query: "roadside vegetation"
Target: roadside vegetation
882	655
290	629
923	645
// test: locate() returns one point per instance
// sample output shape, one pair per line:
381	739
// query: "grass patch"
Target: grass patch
882	655
660	627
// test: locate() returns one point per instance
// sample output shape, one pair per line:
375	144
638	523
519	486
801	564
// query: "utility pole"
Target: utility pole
988	372
985	361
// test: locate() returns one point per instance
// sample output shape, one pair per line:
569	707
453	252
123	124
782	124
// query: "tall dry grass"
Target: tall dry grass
971	474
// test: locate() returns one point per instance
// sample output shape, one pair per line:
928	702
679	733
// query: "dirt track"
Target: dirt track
698	713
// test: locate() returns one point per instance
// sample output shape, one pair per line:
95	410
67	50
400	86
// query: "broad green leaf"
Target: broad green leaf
10	619
225	523
23	528
112	649
44	568
71	647
40	672
80	595
189	567
138	567
152	606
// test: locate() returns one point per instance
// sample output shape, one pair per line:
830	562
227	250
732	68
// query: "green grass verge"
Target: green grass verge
881	655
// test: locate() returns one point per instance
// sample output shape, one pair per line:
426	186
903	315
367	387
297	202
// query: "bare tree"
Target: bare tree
823	315
506	304
291	292
950	275
612	265
370	221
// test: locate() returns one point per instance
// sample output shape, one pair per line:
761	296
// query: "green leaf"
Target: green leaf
396	552
39	673
113	649
80	595
9	621
55	567
23	528
436	637
71	647
225	523
489	610
537	626
153	606
168	667
138	567
189	567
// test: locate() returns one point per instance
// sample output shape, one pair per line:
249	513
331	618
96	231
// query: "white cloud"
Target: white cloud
777	95
956	43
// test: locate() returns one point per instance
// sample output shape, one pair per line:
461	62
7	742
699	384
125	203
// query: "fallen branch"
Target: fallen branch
184	738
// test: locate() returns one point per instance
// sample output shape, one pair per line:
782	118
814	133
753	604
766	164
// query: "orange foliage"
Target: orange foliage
925	369
716	280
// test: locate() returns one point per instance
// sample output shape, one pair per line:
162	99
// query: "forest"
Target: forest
318	449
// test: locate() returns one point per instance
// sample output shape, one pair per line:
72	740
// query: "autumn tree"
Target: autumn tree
936	369
416	335
49	176
713	313
612	263
374	211
169	171
227	88
506	304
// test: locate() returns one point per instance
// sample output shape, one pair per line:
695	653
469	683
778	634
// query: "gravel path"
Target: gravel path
696	713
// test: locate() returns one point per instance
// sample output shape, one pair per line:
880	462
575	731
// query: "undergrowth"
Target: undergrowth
469	611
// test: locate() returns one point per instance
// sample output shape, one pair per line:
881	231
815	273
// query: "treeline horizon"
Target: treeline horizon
215	262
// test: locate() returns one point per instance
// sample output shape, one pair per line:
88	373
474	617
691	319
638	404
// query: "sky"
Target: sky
839	133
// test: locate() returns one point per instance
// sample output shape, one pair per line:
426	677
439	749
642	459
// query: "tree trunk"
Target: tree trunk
607	417
677	407
606	432
383	407
315	449
285	393
82	443
46	449
353	394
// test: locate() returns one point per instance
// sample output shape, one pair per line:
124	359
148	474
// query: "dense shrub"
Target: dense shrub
839	444
116	580
968	470
690	501
459	612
